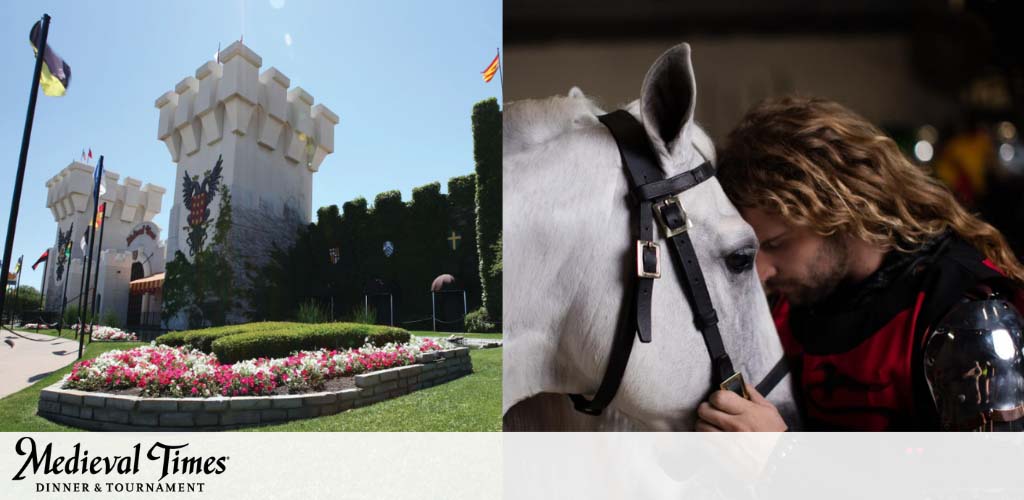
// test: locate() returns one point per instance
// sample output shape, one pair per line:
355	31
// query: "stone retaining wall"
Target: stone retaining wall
109	412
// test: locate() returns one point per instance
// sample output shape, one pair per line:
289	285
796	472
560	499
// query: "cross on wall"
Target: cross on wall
454	239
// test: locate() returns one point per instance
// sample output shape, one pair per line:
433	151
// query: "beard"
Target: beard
825	272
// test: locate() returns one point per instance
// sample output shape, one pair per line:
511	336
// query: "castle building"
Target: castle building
232	126
131	246
229	126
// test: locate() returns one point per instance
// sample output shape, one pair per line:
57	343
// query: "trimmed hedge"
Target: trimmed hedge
202	339
282	342
480	322
487	155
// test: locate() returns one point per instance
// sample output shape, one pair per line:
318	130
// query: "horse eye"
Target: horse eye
740	260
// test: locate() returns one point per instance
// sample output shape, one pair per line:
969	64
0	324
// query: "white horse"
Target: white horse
569	258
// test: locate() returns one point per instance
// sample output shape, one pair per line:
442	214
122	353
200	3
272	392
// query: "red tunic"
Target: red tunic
857	356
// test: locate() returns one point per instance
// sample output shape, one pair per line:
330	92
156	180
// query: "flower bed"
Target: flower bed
162	371
38	326
102	333
107	411
111	334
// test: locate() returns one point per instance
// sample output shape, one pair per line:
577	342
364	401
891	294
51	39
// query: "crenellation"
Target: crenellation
184	124
301	121
325	120
69	193
206	103
70	190
274	101
232	96
167	104
239	87
133	199
154	200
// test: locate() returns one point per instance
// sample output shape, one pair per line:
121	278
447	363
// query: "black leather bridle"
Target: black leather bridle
660	197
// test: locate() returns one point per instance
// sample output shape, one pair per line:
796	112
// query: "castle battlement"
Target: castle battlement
131	205
231	129
232	97
69	193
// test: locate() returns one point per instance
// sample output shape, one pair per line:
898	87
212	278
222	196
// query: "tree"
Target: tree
203	289
25	300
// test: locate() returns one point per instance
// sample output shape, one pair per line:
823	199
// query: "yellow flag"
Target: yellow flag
56	74
491	69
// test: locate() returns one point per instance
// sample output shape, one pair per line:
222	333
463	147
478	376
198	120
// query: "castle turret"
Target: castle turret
130	205
232	126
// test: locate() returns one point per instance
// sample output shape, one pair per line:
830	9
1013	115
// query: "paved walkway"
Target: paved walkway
32	357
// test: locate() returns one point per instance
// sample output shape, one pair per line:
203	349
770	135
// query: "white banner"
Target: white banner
383	466
251	466
763	466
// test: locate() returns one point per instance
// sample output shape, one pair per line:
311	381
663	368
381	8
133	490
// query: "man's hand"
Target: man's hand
727	411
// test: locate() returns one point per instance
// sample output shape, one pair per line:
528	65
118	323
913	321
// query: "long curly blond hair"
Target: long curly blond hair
822	166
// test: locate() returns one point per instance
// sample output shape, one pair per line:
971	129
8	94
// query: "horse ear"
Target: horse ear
667	102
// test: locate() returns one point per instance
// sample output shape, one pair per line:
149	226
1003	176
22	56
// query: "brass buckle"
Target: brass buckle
641	271
672	200
735	384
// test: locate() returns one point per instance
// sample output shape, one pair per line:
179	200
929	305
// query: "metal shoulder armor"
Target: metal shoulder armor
974	367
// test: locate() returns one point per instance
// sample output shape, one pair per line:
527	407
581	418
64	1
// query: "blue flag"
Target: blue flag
97	179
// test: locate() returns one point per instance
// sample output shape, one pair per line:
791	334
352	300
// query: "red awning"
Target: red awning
152	284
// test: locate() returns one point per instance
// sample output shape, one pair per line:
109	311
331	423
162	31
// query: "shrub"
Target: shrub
203	338
71	316
479	321
280	343
363	316
110	319
311	312
172	339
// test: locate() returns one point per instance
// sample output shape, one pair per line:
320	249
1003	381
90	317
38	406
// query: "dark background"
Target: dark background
941	77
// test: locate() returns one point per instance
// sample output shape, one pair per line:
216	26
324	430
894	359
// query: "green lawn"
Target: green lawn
67	333
470	403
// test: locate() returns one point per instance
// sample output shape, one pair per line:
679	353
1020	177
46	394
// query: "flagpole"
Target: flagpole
88	265
22	159
83	289
42	287
17	285
99	255
501	79
67	278
81	279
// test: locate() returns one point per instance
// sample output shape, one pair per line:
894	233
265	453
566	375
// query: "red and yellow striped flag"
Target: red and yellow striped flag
99	215
491	69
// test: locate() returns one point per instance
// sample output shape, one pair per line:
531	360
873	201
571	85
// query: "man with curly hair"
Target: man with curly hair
861	252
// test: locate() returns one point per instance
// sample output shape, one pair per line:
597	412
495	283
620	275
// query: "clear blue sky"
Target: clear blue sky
402	76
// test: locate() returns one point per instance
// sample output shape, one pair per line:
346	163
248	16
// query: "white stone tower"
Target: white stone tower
271	140
129	206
